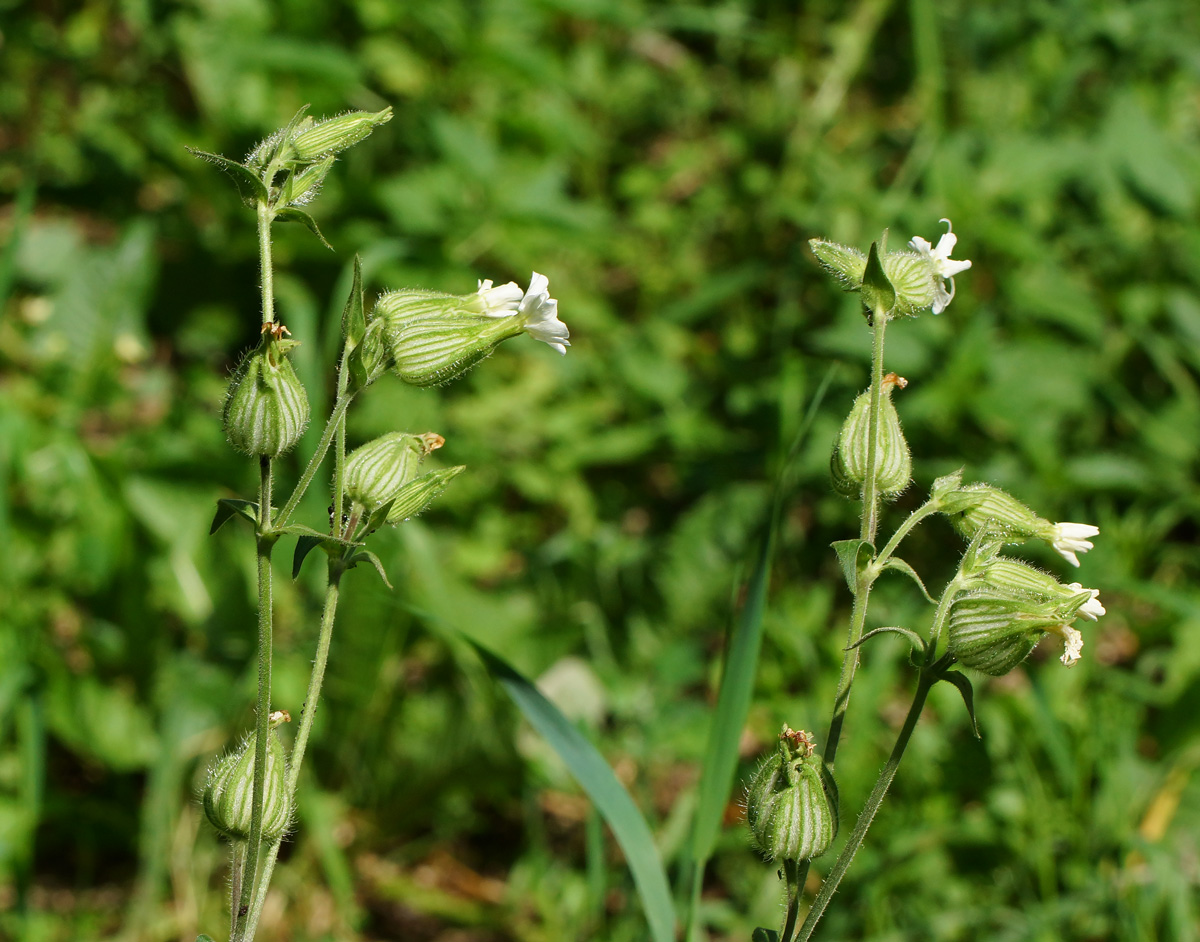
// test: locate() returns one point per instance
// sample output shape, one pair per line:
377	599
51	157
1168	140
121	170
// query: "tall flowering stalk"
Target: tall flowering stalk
425	338
988	618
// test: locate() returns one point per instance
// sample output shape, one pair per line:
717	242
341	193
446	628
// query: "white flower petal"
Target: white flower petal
1091	609
541	315
943	266
500	301
1071	538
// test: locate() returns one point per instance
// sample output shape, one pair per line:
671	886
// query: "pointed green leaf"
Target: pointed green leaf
373	560
227	507
764	935
963	683
304	546
292	214
916	640
300	186
877	292
602	786
901	566
854	556
250	187
354	318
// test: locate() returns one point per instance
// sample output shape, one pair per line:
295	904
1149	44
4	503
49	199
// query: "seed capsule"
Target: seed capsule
791	802
266	408
851	451
229	792
379	470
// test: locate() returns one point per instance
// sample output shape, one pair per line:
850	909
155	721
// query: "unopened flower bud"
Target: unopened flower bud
851	451
791	802
266	408
333	135
229	791
418	494
378	471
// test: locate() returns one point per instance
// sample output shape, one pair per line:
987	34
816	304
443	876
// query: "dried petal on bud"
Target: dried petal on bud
266	407
378	471
418	494
791	801
229	792
437	337
893	467
333	135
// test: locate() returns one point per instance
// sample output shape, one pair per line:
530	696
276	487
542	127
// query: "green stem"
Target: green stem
926	509
237	858
265	544
878	793
314	463
315	680
870	512
867	530
266	270
795	874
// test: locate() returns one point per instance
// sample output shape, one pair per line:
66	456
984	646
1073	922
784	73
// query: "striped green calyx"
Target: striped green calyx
377	472
791	802
266	408
852	449
229	791
1009	608
436	337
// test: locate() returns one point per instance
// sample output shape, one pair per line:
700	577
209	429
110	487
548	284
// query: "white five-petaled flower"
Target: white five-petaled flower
1071	538
541	315
1072	645
944	267
499	301
1091	609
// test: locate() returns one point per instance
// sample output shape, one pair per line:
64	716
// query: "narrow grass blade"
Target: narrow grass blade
602	786
741	664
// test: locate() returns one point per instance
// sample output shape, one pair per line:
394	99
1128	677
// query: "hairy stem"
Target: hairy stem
310	471
265	267
867	530
926	509
794	874
878	793
237	858
266	543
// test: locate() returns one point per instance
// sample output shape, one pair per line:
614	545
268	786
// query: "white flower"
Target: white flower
1071	538
944	267
541	315
1072	645
501	301
1091	609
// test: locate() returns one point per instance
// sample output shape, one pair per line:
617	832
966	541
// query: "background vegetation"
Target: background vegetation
664	163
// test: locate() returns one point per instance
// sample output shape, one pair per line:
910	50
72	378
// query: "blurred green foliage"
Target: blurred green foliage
664	164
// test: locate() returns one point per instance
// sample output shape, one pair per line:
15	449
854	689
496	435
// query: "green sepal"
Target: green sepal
373	560
945	485
850	554
915	639
228	506
308	539
300	183
760	935
292	214
250	187
877	292
963	683
354	317
901	566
